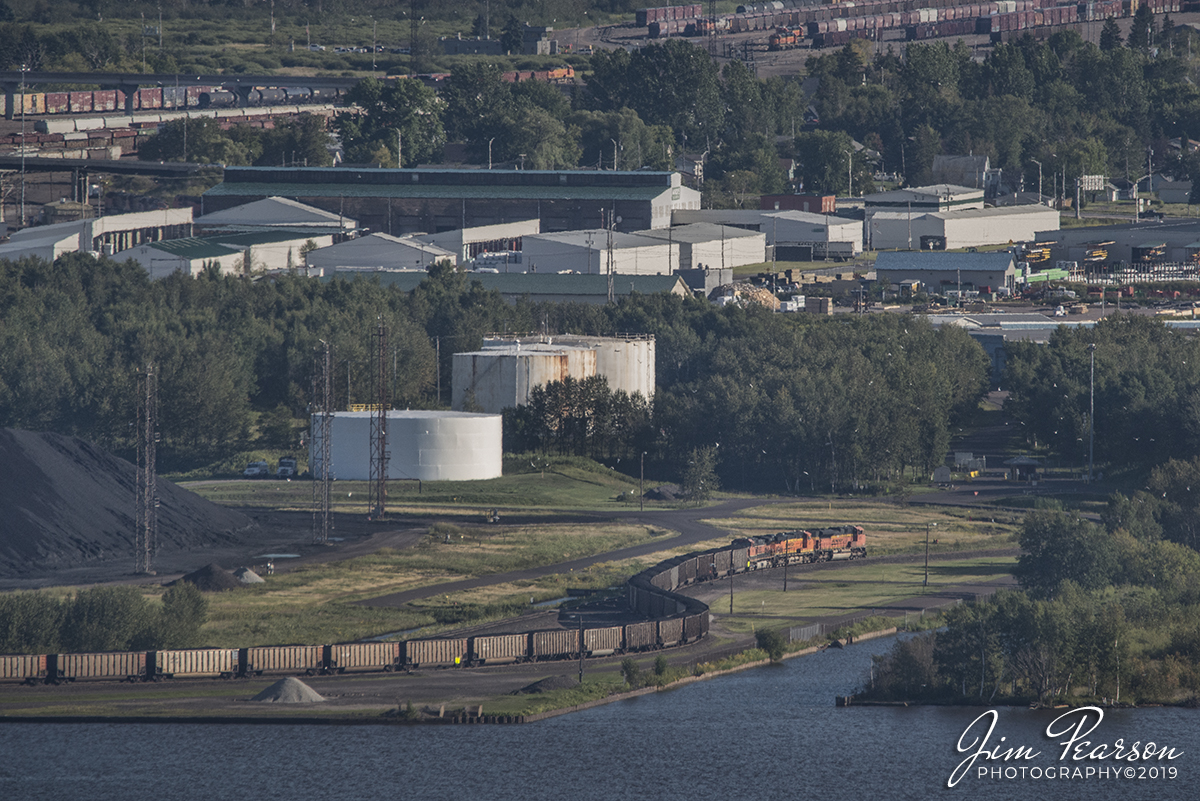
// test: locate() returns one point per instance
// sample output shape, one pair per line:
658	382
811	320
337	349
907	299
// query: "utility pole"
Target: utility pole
146	536
642	483
1092	411
23	70
1035	161
320	448
927	527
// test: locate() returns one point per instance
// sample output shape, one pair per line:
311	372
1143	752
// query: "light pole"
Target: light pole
493	139
849	173
1035	161
23	68
927	527
641	483
614	141
1092	411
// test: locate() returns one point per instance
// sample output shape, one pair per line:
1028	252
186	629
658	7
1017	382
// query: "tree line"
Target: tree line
101	619
1105	613
787	403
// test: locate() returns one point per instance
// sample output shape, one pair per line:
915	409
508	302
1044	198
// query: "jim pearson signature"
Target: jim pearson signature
1075	726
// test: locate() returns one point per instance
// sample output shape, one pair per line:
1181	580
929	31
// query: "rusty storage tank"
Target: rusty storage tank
494	379
423	445
626	360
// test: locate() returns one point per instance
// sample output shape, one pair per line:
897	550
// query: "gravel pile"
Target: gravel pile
211	578
248	576
289	691
67	503
548	684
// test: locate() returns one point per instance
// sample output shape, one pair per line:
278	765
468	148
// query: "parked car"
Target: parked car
287	467
256	469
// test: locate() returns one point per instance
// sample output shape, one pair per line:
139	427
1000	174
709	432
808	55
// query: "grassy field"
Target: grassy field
864	587
315	603
890	528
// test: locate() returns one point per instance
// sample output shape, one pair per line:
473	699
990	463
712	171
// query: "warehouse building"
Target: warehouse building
109	234
274	213
587	253
922	199
423	445
946	272
469	243
702	246
795	235
950	230
238	253
376	252
436	200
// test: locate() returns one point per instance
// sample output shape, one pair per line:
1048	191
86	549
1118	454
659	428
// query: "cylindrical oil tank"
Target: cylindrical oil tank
195	662
424	445
626	360
498	378
559	644
602	642
433	653
117	665
494	648
309	659
670	632
364	656
23	667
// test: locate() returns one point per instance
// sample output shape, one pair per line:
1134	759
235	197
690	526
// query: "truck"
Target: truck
287	467
256	469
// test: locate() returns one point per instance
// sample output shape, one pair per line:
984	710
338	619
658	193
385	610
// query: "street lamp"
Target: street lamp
641	483
1035	161
1092	410
927	527
493	139
23	69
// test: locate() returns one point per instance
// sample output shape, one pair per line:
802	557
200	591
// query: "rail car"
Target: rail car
164	98
670	619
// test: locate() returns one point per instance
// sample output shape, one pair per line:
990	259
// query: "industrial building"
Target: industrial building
423	445
376	252
946	272
436	200
109	234
795	235
587	253
471	242
922	199
707	246
555	288
274	213
1108	246
231	253
950	230
507	370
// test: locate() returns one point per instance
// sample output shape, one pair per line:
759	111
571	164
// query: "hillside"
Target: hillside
66	503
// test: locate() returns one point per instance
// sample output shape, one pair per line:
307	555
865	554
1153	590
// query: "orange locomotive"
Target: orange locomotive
804	547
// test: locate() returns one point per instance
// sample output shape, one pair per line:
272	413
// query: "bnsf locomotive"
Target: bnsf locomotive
671	619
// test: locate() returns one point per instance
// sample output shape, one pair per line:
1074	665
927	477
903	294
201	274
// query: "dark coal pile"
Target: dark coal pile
548	684
211	578
667	492
66	503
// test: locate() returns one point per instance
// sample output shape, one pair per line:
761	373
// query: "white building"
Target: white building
231	253
377	252
827	234
586	252
713	246
275	213
468	243
950	230
109	234
424	445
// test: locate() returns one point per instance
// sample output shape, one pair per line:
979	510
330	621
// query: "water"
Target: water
765	734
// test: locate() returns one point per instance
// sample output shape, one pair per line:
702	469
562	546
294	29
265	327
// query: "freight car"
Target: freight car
672	619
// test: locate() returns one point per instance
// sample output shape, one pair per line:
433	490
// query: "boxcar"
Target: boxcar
125	665
602	642
493	649
722	561
560	644
435	653
362	657
306	659
28	668
693	627
193	663
670	632
687	572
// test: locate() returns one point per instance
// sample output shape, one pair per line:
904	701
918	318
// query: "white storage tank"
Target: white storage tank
494	379
425	445
626	360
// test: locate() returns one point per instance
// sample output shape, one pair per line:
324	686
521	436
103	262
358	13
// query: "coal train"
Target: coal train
164	98
671	619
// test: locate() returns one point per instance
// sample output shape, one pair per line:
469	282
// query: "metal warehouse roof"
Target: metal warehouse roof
700	232
192	248
911	261
418	191
543	283
252	238
275	211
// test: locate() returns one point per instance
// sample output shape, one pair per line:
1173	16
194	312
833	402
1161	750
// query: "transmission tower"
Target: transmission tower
319	443
146	536
377	500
